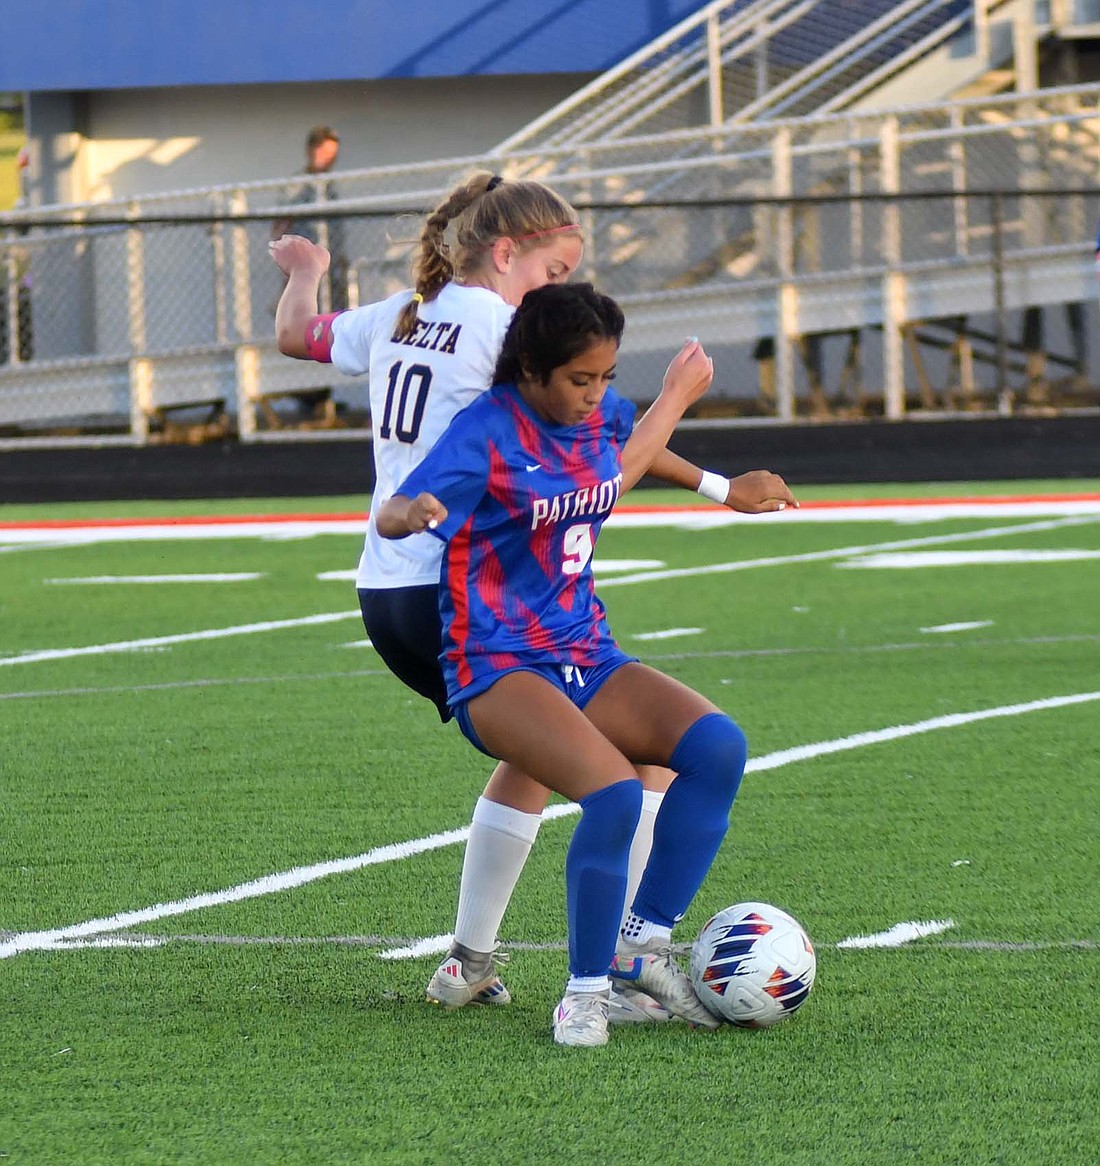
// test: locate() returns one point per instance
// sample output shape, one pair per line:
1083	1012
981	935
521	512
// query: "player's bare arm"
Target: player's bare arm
399	516
687	378
304	263
754	492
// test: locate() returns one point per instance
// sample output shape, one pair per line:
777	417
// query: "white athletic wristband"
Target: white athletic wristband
714	487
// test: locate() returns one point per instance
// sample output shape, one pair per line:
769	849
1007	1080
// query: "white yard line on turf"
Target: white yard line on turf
725	654
668	634
168	531
903	513
918	560
641	577
968	625
437	944
846	552
244	629
266	885
201	682
431	945
899	934
897	732
299	876
221	577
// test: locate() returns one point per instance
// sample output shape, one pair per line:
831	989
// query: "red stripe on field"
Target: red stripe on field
192	520
967	500
276	519
871	503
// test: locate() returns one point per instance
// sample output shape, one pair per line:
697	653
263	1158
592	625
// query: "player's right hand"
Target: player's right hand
425	512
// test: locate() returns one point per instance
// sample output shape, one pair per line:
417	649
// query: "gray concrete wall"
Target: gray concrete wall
121	143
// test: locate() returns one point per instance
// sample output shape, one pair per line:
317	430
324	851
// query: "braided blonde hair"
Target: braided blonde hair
475	214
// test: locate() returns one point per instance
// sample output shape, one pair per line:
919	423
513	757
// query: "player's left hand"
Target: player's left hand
293	253
759	492
689	374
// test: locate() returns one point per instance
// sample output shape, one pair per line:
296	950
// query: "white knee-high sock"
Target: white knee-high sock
642	844
500	841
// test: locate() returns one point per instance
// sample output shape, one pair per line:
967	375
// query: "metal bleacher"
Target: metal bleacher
862	206
822	101
735	62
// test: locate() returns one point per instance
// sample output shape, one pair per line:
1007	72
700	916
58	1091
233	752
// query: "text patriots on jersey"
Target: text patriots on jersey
577	503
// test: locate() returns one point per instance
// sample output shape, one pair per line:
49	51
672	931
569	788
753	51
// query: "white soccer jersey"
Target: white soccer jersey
416	386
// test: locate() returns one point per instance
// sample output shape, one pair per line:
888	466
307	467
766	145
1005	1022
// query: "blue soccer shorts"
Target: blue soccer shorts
579	682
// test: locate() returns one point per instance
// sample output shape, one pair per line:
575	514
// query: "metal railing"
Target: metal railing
736	62
797	249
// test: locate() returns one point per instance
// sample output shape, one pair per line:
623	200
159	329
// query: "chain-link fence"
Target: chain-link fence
933	260
857	307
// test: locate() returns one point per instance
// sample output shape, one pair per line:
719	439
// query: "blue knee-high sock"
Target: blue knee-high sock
694	816
595	874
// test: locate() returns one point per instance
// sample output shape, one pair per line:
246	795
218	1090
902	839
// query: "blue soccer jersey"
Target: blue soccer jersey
525	501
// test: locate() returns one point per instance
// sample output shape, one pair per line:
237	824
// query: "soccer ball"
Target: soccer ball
753	965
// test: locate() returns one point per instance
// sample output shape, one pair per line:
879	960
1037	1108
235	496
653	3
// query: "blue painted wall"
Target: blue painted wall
113	44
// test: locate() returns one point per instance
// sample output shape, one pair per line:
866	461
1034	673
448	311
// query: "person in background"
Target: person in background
517	489
429	351
322	152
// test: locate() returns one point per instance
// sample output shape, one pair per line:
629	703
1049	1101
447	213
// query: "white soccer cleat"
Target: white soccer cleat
581	1019
451	988
651	968
629	1006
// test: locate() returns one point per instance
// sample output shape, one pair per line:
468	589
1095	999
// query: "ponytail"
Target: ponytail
433	268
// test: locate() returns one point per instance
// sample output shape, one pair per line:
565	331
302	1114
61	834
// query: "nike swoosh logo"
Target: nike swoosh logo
531	469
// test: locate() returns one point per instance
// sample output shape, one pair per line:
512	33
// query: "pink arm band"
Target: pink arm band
319	338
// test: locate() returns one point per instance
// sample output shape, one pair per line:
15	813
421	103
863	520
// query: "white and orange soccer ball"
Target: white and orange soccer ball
753	965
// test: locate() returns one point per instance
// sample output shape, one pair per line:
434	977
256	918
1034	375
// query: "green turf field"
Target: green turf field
169	993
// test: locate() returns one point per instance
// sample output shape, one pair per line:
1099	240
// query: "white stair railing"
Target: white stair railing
735	62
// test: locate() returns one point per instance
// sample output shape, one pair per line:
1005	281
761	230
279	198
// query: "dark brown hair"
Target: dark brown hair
553	325
319	135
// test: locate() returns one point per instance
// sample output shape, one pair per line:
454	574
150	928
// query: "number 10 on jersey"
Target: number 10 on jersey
411	393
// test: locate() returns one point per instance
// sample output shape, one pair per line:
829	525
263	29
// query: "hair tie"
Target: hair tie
417	298
494	182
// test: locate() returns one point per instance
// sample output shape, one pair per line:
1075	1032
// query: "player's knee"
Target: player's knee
714	750
615	811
